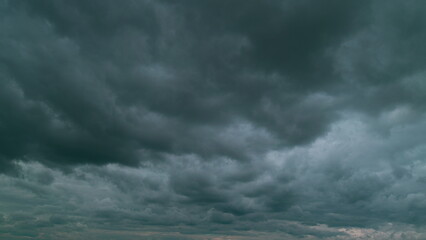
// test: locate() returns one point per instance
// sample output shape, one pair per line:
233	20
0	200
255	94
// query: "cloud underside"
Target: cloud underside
212	119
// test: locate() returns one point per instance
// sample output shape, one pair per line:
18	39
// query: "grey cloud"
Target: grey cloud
332	181
212	120
105	86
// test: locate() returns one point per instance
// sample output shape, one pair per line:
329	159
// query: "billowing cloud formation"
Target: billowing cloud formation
212	119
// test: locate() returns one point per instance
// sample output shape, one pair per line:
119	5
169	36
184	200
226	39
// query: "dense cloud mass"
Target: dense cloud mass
212	119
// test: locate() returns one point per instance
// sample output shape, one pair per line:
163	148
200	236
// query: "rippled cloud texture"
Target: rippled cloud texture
213	119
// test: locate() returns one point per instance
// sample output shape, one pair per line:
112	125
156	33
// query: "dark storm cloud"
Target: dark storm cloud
385	61
212	119
103	83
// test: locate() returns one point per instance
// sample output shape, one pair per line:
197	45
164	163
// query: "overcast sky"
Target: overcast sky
213	119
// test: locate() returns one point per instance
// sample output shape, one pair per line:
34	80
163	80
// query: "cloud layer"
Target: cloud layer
212	119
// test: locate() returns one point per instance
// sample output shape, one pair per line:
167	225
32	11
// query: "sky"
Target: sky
213	119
